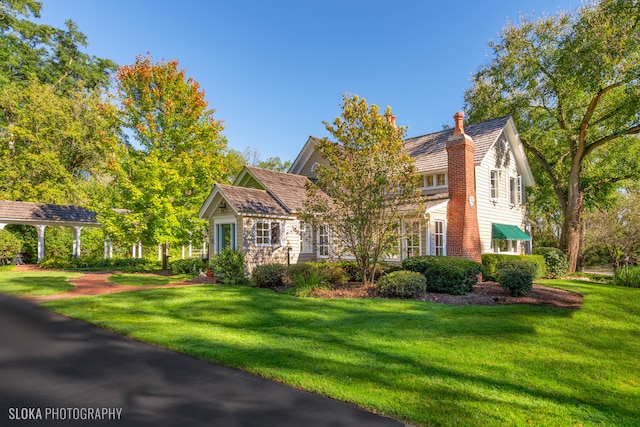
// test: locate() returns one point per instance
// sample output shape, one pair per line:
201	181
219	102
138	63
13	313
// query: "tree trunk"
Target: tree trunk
570	240
580	266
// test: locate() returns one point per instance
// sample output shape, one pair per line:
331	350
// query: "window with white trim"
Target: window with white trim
498	184
435	180
515	191
323	240
267	233
411	242
439	244
305	238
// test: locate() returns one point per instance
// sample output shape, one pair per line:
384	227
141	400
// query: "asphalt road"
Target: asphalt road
56	371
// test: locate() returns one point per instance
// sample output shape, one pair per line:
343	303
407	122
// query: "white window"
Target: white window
498	185
267	233
505	246
436	180
323	240
515	191
439	238
411	238
305	238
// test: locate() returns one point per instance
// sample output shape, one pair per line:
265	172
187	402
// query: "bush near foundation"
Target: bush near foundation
555	260
517	281
490	265
445	274
402	284
10	246
269	275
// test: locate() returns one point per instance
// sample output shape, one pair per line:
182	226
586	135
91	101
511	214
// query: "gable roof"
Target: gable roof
251	200
288	189
430	151
43	213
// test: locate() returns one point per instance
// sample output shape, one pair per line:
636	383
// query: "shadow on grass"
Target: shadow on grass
35	284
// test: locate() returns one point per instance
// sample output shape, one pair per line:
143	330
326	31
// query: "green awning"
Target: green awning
508	232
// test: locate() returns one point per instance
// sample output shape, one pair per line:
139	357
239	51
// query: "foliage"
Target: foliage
615	231
423	363
51	55
333	271
452	275
307	280
54	147
191	266
10	246
402	284
368	177
228	264
269	275
162	179
630	278
490	264
570	81
556	261
517	280
526	265
91	264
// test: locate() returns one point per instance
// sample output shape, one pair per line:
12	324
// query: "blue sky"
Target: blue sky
274	70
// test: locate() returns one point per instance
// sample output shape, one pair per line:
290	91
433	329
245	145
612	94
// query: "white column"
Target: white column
190	249
2	224
159	252
105	249
110	249
76	241
134	250
139	249
40	229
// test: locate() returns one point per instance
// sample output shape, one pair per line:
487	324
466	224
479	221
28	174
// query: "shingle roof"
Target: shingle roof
430	151
288	189
34	212
251	200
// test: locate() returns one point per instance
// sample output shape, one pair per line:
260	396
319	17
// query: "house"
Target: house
474	178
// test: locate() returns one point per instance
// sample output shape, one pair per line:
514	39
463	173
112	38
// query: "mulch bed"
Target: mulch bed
486	293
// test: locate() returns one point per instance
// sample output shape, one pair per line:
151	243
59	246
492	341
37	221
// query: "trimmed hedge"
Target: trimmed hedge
83	263
490	265
517	281
402	284
444	274
269	275
188	266
556	261
529	266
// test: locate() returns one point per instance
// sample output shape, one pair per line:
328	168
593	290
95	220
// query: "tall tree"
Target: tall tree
51	55
52	147
571	82
368	179
178	153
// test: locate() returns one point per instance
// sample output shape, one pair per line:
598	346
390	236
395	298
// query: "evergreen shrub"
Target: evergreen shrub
402	284
517	281
490	265
556	261
269	275
445	274
620	277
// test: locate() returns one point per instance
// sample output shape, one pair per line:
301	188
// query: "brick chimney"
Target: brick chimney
463	235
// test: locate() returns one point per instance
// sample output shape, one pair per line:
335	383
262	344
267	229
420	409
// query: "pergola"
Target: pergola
42	215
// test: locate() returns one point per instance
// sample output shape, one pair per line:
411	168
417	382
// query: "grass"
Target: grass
146	279
424	363
37	283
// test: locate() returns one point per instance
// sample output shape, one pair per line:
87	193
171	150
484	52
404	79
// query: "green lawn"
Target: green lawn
146	279
36	283
424	363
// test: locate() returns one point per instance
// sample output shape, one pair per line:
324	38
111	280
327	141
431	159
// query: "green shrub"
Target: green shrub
188	266
620	277
490	264
556	261
517	281
334	272
229	266
529	266
402	284
453	275
269	275
130	265
305	281
10	246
